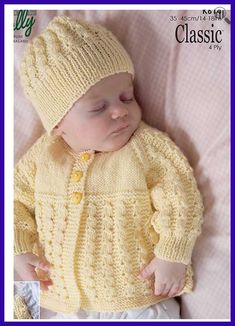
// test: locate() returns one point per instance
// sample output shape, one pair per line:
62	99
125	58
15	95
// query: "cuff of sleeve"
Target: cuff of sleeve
176	249
24	242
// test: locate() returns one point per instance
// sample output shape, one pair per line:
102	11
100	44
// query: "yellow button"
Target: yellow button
76	175
85	156
76	197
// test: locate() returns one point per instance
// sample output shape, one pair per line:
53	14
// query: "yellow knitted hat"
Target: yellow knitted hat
62	63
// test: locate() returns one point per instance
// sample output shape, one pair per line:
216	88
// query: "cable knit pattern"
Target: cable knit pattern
99	218
20	308
29	291
62	63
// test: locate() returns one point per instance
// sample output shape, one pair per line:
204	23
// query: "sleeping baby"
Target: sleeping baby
107	209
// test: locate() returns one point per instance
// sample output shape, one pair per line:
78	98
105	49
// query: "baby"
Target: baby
107	210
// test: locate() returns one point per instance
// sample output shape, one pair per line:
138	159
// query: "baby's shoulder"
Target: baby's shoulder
50	148
152	136
37	150
152	144
158	146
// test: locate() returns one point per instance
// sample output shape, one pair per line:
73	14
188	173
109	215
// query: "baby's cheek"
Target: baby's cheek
138	112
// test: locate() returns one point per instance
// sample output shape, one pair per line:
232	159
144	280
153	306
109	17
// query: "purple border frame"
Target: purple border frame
116	2
2	129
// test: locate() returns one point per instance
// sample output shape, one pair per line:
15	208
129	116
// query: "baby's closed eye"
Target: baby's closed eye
104	106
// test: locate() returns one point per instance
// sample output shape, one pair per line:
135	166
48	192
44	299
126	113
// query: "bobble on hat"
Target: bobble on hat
62	63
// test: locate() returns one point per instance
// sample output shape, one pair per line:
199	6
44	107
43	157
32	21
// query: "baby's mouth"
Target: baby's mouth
121	129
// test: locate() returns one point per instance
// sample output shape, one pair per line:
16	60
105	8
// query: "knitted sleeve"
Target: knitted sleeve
25	231
20	308
176	199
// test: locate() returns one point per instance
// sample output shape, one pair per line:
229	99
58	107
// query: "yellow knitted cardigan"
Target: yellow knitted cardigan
99	218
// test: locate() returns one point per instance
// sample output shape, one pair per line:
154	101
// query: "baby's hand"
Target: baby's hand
169	276
25	265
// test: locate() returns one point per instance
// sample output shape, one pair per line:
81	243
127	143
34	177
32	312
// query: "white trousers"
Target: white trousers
168	309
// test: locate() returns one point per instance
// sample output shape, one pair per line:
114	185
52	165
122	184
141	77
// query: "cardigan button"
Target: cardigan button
76	175
76	197
85	157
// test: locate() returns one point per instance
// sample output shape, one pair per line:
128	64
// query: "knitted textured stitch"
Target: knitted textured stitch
20	308
29	291
62	63
99	218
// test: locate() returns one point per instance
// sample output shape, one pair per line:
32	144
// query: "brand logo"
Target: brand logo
23	24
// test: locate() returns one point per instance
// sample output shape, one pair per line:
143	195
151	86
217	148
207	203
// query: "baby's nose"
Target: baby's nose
119	111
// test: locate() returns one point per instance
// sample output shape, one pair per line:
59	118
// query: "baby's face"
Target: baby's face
104	118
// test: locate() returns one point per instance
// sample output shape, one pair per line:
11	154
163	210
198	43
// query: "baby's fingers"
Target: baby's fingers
182	284
40	267
159	288
41	263
33	276
43	277
167	289
176	288
30	274
44	285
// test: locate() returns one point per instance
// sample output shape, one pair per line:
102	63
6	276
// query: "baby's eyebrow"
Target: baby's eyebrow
97	97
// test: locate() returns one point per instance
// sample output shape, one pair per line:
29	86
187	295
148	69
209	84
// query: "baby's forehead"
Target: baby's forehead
107	87
122	89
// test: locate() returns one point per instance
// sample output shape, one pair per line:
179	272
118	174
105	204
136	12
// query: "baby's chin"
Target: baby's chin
115	144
